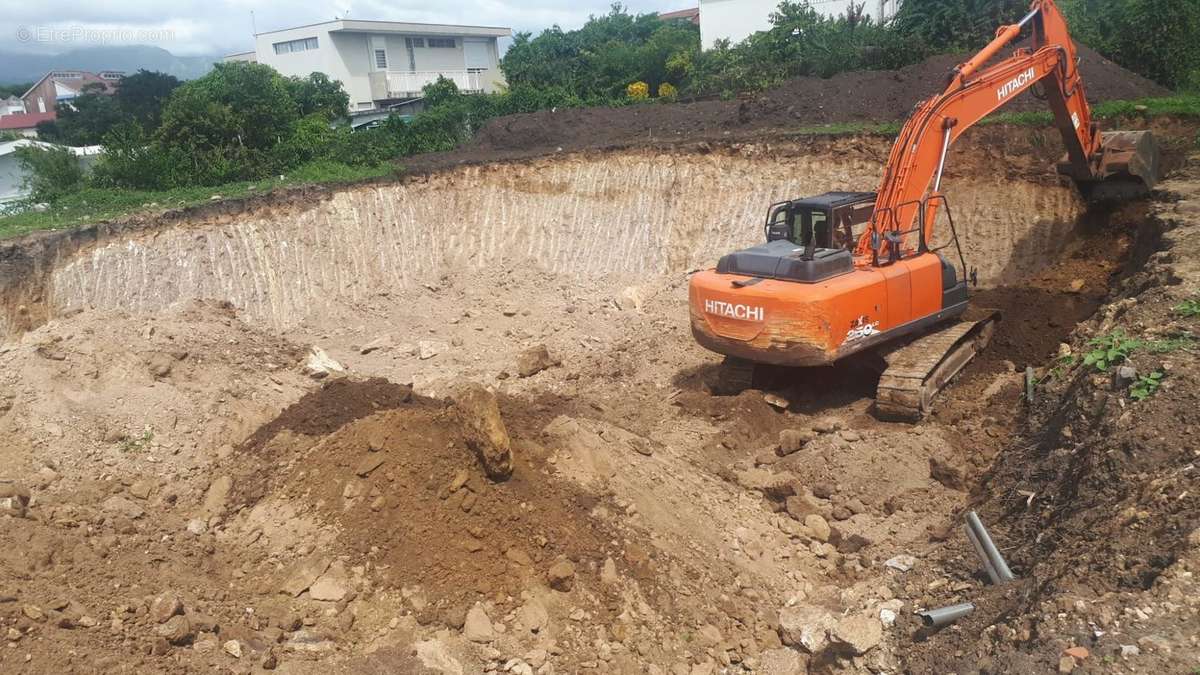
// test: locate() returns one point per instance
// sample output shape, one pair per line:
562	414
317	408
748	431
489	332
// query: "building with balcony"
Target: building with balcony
384	64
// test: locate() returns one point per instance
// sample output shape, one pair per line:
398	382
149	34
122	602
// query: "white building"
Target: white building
736	20
383	63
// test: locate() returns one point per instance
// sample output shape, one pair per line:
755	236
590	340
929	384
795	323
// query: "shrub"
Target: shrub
53	172
667	91
638	91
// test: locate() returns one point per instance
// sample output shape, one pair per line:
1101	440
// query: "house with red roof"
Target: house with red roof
63	86
24	124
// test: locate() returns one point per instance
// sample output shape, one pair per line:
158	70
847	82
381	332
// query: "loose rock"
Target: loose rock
534	360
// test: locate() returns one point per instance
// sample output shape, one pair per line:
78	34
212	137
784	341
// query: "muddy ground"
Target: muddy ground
238	438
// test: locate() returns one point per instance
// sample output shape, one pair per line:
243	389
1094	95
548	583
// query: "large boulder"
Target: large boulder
486	434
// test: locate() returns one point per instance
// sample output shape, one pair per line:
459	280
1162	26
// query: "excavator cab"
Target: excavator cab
829	221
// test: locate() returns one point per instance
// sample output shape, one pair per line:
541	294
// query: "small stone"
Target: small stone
1129	650
1066	664
33	612
1077	652
1124	376
330	586
901	563
860	633
270	661
478	627
141	489
805	626
709	634
369	463
166	605
233	648
562	576
776	401
818	526
197	526
177	630
608	573
792	440
534	360
427	349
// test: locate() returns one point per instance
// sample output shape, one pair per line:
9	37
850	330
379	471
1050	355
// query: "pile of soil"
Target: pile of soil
393	473
860	96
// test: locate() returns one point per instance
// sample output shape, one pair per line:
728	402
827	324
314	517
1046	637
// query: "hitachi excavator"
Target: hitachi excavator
846	272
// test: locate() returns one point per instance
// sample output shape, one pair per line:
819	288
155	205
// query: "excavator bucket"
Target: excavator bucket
1128	167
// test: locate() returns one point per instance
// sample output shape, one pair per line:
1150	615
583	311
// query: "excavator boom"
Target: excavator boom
914	169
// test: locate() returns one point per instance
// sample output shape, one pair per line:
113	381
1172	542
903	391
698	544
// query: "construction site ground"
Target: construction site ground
238	438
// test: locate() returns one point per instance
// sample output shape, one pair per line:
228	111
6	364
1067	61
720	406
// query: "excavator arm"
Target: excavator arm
912	177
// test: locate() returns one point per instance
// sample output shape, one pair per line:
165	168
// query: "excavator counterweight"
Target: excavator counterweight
849	272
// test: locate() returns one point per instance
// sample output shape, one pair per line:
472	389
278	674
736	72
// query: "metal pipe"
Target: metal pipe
987	550
942	616
1029	384
937	182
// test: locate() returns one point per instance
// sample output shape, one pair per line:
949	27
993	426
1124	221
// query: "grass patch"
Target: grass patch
1182	105
91	205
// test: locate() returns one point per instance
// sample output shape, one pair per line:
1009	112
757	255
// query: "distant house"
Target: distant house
384	64
11	105
25	124
62	86
736	20
13	175
691	16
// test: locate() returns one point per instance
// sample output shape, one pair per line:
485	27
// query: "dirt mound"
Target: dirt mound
396	478
333	406
860	96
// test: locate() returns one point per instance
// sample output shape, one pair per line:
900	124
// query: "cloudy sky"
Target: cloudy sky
193	27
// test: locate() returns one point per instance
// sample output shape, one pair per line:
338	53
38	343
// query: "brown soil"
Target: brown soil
863	96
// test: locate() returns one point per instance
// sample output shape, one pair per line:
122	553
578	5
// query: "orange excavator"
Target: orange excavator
846	272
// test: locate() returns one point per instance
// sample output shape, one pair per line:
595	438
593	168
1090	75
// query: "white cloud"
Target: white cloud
188	27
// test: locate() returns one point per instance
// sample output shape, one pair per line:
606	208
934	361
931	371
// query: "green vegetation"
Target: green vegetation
92	204
1146	385
53	172
17	90
1188	309
90	116
1110	350
1155	38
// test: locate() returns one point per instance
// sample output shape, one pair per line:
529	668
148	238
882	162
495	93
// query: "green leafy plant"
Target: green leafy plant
1146	385
1110	350
1189	308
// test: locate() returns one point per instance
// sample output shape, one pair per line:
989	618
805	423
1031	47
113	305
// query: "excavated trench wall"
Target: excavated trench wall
638	214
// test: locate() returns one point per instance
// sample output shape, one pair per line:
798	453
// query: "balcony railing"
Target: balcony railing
402	83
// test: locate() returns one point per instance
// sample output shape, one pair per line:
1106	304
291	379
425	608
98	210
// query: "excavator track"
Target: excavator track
918	370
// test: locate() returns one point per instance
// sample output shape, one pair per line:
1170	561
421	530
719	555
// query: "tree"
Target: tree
956	25
597	62
17	90
83	120
319	94
141	96
52	172
1155	38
